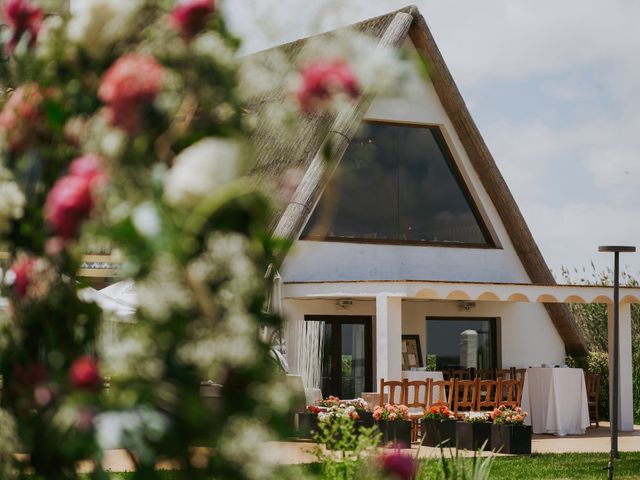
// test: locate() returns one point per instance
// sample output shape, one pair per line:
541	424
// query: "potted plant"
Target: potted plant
438	426
508	432
393	421
474	431
308	421
365	415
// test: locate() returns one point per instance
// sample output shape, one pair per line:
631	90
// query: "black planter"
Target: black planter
435	432
307	424
396	433
366	420
473	435
514	439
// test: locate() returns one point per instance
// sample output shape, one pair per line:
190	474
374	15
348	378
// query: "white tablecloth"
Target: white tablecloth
413	375
556	399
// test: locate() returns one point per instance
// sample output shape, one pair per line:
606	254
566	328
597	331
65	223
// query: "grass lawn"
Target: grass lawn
548	466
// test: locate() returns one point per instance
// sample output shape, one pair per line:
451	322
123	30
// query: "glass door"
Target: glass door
346	363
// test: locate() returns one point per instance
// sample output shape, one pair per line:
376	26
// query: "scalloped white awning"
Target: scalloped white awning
469	291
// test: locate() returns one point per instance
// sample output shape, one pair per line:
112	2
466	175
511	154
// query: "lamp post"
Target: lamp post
615	382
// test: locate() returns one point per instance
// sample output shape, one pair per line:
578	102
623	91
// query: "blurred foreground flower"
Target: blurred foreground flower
84	373
190	16
133	80
22	17
322	81
21	116
399	466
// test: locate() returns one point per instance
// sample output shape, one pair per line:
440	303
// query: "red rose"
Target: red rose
21	115
399	466
69	202
133	80
322	80
23	17
190	16
84	373
23	270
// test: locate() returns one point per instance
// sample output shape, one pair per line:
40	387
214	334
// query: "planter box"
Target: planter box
435	432
366	420
514	439
472	435
307	424
396	433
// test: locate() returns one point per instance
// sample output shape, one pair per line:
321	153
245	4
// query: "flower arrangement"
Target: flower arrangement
338	411
391	412
475	417
439	413
330	401
504	415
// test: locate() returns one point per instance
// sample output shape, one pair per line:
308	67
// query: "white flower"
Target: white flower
145	219
12	200
201	169
130	427
97	24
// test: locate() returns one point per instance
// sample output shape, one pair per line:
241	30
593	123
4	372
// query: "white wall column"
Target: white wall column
625	397
388	338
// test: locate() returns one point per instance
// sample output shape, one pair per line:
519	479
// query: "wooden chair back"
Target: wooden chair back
504	373
460	374
465	395
485	374
592	383
395	392
487	395
509	392
416	393
444	395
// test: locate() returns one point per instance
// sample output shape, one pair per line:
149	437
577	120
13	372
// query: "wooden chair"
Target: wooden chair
592	382
444	392
416	398
465	395
487	395
460	374
395	391
509	392
504	373
485	374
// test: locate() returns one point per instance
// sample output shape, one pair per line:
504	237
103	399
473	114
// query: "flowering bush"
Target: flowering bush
391	412
439	413
504	415
330	401
338	411
475	417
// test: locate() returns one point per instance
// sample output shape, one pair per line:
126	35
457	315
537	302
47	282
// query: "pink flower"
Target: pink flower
190	16
21	115
392	416
132	81
71	199
402	467
84	374
23	17
23	269
321	81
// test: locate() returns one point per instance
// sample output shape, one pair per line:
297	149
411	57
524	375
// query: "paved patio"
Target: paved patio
596	440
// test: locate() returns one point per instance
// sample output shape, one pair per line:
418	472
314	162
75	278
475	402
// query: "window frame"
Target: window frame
455	171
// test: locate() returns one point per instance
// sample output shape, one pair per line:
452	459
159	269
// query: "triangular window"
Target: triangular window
397	183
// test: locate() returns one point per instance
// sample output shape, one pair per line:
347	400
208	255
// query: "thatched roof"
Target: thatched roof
292	162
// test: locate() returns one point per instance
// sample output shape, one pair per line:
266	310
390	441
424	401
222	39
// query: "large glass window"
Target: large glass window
397	183
461	342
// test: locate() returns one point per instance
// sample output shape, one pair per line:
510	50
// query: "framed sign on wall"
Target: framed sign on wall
411	352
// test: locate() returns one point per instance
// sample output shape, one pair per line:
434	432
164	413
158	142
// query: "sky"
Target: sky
554	88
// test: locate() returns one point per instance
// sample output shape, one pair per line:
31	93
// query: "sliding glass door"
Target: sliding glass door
346	363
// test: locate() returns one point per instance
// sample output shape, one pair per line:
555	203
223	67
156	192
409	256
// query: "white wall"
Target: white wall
311	260
526	335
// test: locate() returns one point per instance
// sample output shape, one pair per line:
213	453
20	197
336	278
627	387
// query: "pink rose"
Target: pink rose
190	16
23	269
84	374
23	17
21	115
133	80
69	202
321	81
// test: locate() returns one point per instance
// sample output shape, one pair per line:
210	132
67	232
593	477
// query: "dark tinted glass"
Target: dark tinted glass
396	183
449	339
